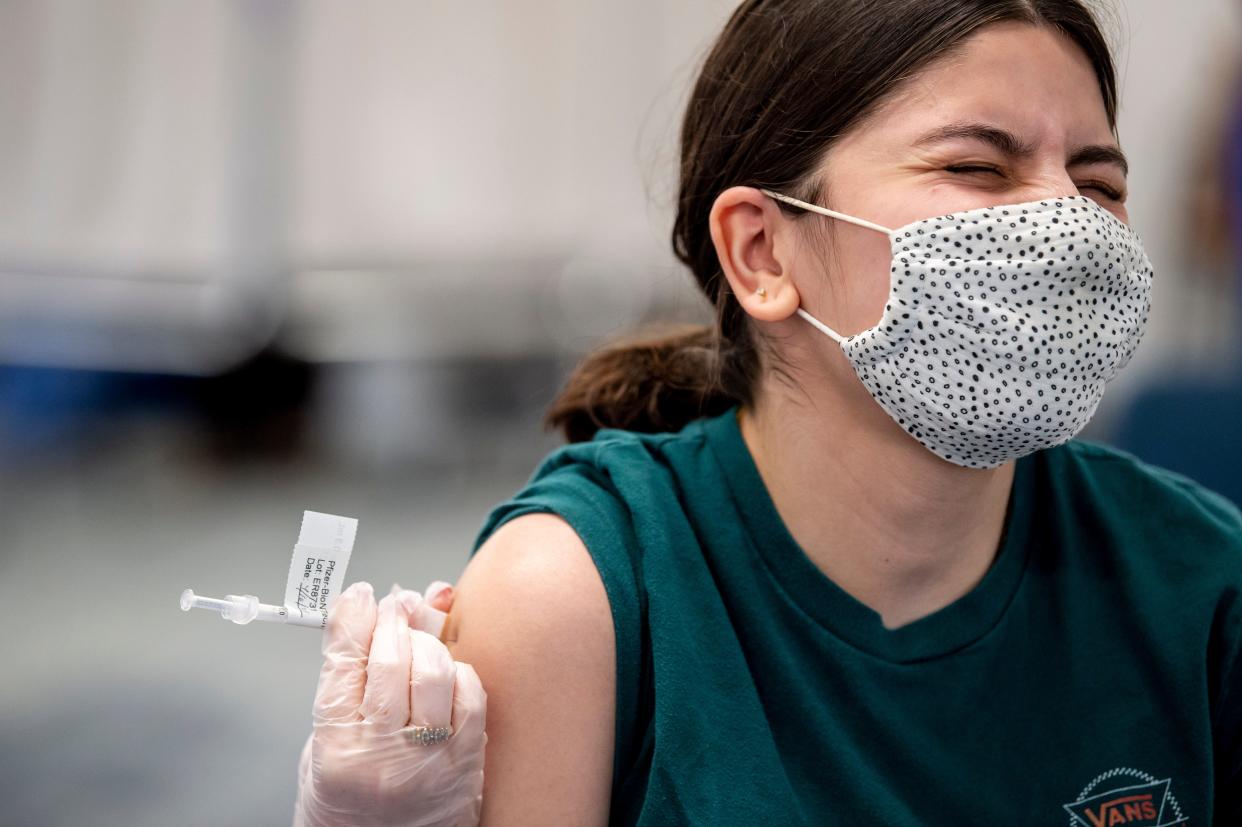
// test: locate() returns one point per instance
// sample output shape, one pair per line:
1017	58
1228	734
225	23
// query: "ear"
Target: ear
754	242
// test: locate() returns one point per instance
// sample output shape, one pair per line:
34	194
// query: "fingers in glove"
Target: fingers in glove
439	604
422	614
439	595
346	644
469	704
432	674
386	703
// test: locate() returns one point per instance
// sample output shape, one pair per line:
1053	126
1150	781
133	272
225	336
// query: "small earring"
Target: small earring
762	293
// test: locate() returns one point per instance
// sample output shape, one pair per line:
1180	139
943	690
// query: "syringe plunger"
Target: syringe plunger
239	608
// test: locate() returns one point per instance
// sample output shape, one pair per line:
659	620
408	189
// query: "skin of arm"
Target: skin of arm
530	614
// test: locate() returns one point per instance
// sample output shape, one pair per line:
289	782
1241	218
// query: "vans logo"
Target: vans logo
1147	803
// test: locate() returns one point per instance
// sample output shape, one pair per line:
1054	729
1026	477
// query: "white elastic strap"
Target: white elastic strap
825	328
861	222
837	337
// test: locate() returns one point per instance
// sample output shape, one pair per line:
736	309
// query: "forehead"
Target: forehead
1031	80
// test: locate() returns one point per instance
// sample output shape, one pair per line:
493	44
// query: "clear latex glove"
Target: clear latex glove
380	678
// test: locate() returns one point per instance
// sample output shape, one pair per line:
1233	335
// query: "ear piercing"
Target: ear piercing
762	293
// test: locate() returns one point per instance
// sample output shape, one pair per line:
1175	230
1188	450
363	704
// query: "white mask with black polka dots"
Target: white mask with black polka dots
1002	326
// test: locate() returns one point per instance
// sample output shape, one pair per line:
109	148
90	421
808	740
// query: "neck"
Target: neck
899	529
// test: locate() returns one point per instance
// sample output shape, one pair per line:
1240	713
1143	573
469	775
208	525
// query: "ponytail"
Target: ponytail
651	381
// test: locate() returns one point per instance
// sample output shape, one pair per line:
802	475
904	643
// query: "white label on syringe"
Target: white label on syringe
318	566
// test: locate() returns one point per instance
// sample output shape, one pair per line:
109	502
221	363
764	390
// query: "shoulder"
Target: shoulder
600	487
531	615
530	584
1174	541
558	569
1148	495
613	449
543	555
572	507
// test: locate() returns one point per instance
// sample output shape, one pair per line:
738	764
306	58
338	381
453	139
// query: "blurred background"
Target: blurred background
261	256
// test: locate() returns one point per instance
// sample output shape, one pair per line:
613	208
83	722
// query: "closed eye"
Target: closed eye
1098	186
971	168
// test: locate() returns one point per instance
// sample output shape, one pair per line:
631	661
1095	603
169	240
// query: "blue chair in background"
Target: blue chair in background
1190	426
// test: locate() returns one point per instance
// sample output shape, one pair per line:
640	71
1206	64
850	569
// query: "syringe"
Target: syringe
239	608
316	570
243	608
315	575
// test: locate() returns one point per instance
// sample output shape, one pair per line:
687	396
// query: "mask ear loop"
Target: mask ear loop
861	222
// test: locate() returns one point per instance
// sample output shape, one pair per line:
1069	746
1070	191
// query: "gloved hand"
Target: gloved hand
364	763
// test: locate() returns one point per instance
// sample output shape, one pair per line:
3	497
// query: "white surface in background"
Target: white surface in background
222	142
138	223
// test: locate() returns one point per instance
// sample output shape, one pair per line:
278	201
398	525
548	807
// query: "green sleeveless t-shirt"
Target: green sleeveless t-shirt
1093	677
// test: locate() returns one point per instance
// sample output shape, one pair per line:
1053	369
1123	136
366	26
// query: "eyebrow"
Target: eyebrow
1010	144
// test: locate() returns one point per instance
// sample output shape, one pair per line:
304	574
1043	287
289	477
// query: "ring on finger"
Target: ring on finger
427	735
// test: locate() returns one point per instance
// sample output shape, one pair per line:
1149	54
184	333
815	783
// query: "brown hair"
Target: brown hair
784	81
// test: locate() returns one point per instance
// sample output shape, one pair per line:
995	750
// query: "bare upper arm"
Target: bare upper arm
531	615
